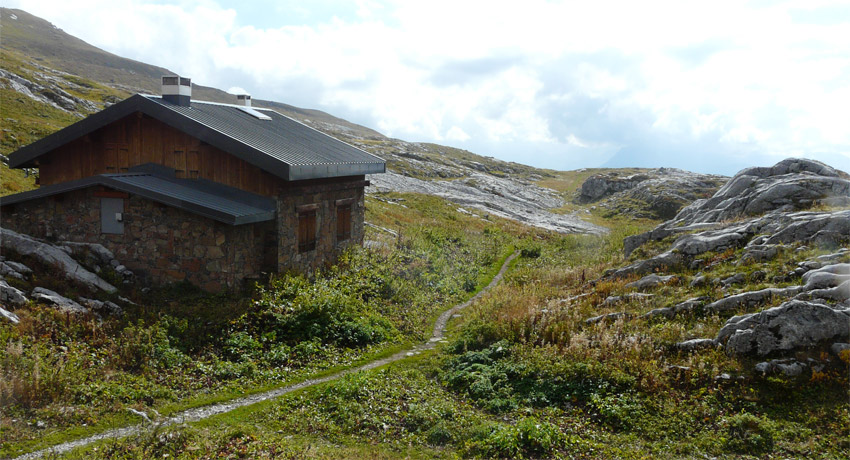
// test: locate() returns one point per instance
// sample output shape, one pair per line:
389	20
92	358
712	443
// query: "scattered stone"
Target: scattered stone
696	344
51	255
102	307
786	367
9	316
665	312
663	262
610	317
10	295
51	297
737	278
758	276
810	265
838	348
6	270
651	281
701	281
794	325
614	300
749	299
141	414
759	253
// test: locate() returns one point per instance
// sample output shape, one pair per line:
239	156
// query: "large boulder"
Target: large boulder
51	255
794	325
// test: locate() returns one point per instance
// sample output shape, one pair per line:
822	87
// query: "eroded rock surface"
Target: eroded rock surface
793	325
657	193
50	255
775	193
503	197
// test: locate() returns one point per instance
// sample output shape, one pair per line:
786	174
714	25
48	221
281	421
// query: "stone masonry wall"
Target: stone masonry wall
327	246
160	243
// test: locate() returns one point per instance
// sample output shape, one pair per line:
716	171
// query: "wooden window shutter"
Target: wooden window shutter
343	222
306	231
179	160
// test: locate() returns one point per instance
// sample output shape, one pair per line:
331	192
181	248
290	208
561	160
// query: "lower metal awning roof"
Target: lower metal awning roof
198	196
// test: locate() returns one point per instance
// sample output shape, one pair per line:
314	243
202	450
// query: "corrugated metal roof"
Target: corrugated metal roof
280	146
281	137
198	196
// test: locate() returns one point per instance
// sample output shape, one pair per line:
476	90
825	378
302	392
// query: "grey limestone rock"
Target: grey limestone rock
838	348
102	307
749	299
651	281
9	316
696	344
790	185
49	254
737	278
610	317
10	295
50	297
791	326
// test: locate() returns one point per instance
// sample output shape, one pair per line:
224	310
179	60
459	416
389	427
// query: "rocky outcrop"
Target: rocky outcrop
775	192
498	196
656	193
50	255
793	325
603	185
792	184
49	91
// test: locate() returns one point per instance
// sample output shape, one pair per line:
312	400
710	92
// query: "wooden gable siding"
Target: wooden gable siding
139	139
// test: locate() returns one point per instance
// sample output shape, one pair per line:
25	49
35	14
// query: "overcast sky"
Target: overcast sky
710	86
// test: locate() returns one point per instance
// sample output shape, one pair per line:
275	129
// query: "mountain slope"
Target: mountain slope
49	79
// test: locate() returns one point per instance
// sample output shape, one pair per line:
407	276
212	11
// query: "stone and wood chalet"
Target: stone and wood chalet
214	194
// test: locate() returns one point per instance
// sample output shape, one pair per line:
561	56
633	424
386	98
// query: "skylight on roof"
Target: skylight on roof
253	113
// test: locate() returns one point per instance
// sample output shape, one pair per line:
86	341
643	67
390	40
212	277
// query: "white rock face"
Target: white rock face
526	203
51	255
9	316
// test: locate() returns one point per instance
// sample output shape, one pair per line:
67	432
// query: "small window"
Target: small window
343	222
307	231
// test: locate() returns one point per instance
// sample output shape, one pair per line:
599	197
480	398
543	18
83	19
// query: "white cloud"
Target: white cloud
576	80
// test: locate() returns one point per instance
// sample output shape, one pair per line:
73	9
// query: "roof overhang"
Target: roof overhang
27	156
205	198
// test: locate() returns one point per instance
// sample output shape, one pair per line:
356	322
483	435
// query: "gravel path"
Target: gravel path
200	413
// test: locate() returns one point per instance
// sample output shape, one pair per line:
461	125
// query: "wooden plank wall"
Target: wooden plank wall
139	139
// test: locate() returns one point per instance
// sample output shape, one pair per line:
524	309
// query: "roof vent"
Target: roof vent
177	90
244	99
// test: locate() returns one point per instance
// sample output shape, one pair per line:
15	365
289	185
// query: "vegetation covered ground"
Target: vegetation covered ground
522	376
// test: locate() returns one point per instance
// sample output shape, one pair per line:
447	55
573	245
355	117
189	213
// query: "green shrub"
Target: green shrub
747	434
530	437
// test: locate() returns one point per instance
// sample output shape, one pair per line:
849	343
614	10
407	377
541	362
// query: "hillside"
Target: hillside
50	79
710	320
